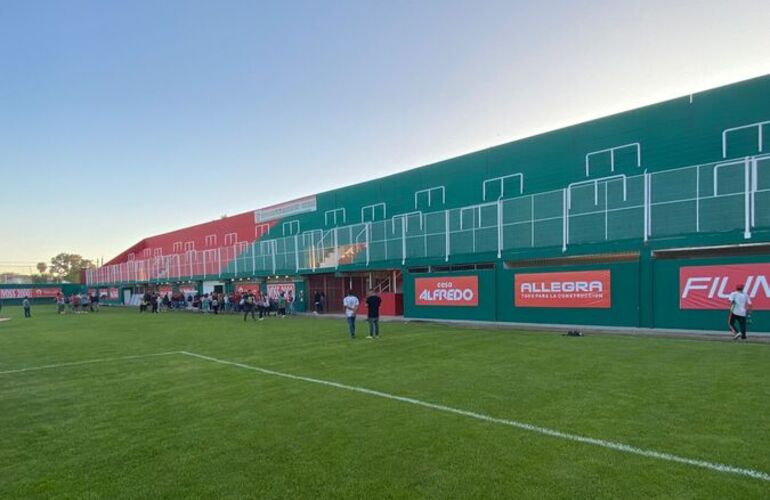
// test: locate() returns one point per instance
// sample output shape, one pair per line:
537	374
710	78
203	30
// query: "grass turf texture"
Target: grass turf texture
178	427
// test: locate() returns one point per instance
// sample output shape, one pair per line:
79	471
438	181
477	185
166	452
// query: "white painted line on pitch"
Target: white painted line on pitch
88	362
764	476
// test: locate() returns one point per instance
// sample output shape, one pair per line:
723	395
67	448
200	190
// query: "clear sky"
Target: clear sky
123	119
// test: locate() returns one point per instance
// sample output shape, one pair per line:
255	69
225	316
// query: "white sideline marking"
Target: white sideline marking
87	362
512	423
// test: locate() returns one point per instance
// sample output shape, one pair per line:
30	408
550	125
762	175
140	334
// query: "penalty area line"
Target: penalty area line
633	450
88	362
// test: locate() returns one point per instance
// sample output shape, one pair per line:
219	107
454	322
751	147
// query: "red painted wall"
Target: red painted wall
242	225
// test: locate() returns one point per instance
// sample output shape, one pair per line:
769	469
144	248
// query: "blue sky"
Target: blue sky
124	119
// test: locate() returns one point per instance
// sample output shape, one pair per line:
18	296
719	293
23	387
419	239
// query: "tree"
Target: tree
67	267
42	267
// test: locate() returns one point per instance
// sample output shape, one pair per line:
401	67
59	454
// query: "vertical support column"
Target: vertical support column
219	258
446	236
312	249
747	198
235	260
697	199
336	250
754	188
499	228
296	253
368	229
273	249
646	208
403	241
253	257
565	221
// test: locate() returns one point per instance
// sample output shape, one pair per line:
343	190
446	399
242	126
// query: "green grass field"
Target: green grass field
179	426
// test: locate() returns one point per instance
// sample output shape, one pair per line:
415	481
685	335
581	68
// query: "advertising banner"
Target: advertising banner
707	287
567	290
114	294
187	290
32	293
165	290
294	207
247	287
274	289
451	291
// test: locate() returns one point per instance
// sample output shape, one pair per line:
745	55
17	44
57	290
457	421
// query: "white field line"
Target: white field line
87	362
764	476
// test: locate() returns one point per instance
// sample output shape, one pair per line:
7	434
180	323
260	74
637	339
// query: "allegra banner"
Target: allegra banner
572	290
32	293
707	287
453	291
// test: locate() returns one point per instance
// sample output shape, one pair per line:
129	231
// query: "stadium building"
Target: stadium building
647	218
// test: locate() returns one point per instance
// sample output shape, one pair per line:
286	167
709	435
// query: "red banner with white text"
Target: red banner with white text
32	293
452	291
708	287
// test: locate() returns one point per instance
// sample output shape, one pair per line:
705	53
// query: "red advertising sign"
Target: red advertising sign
247	287
188	290
164	290
572	290
32	293
114	294
452	291
274	290
707	287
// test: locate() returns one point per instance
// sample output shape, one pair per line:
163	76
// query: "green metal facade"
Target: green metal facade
686	173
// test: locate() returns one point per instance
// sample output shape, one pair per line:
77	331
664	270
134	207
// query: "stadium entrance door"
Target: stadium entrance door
334	286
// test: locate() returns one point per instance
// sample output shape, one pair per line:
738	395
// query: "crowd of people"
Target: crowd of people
77	303
247	302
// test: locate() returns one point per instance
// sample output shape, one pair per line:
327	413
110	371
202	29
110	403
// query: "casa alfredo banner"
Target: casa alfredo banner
454	291
708	287
32	293
564	290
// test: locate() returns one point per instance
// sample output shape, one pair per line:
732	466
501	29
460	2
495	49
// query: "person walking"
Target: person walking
373	302
264	306
317	302
740	308
350	303
27	307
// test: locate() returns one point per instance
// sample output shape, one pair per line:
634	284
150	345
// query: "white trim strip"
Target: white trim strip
512	423
87	362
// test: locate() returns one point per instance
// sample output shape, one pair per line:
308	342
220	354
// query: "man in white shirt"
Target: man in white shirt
740	307
350	303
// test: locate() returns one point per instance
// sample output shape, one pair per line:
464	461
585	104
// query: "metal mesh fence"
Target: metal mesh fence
716	197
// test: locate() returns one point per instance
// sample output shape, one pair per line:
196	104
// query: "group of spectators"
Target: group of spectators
246	302
77	303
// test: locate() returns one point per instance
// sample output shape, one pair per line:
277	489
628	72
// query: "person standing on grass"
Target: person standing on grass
282	305
373	302
27	307
248	306
290	301
350	303
60	303
740	308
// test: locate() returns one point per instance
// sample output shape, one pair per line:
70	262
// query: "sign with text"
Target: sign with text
274	290
114	294
452	291
294	207
247	287
708	287
187	290
569	290
32	293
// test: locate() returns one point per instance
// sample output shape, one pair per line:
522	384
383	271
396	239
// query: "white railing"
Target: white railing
713	197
